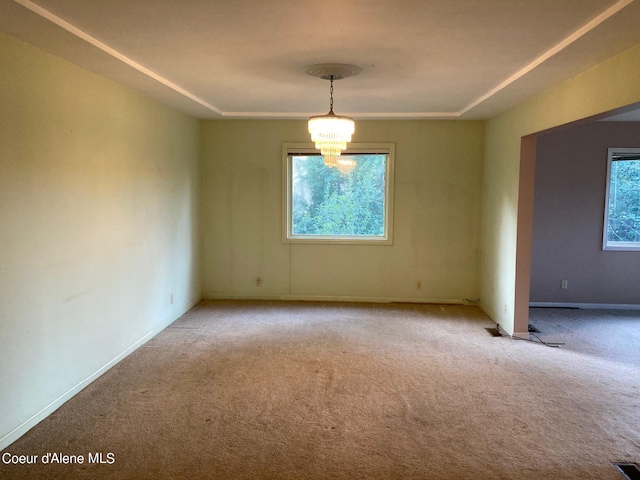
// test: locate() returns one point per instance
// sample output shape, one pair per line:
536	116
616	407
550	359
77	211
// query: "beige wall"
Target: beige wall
608	86
98	189
438	168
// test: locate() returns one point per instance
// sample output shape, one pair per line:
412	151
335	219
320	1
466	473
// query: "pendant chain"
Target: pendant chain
331	91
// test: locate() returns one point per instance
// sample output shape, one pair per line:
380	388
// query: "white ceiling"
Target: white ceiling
466	59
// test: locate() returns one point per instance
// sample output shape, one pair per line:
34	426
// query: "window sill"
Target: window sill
337	240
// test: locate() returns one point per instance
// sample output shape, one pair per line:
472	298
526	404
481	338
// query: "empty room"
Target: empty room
199	280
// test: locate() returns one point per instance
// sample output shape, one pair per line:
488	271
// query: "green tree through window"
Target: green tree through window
623	201
328	202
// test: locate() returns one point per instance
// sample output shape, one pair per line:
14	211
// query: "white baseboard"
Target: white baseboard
524	335
31	422
487	311
332	298
589	306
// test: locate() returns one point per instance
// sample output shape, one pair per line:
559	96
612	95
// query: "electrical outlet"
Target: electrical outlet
419	285
504	308
565	284
171	299
258	281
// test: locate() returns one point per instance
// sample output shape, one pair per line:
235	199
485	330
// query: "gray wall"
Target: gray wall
570	182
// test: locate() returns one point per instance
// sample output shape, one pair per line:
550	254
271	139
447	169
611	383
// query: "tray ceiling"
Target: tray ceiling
246	59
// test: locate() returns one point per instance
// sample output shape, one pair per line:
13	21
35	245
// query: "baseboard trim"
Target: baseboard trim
523	335
43	413
586	306
333	298
487	311
503	331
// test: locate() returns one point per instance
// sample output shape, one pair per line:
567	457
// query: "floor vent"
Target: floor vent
629	470
493	332
533	329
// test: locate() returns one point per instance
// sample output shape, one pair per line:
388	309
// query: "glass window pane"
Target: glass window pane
346	200
624	202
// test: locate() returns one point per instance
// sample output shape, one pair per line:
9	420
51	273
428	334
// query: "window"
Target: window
622	207
338	204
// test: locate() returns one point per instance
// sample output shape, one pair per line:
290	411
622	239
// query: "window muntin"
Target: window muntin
324	205
622	207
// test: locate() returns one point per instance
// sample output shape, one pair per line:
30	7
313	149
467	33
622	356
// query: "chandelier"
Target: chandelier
331	132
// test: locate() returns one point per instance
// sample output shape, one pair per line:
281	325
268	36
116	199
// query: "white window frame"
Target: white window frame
290	149
606	244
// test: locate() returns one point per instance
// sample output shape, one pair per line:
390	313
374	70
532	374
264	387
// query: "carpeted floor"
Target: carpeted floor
285	390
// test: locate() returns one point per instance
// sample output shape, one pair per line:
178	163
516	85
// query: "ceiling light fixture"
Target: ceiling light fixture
331	132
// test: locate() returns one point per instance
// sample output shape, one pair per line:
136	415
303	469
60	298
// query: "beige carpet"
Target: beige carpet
246	390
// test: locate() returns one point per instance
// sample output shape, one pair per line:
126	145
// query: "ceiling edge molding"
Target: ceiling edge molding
388	115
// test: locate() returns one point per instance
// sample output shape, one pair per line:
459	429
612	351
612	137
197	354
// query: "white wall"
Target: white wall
438	167
98	227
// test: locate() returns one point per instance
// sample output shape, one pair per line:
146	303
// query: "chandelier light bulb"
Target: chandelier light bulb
331	133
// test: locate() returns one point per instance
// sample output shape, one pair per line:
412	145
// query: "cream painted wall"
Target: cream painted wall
612	84
437	197
99	226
